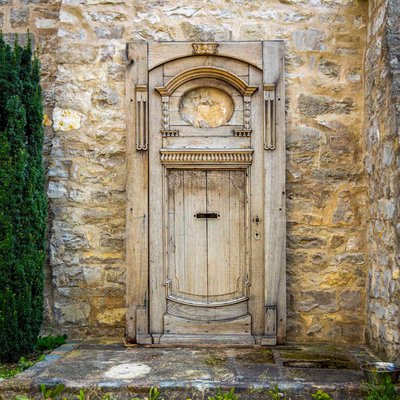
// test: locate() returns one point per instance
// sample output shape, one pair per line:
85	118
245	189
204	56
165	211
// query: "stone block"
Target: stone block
309	39
46	23
66	120
317	301
77	53
329	68
94	276
313	106
19	17
56	190
205	32
115	32
72	312
111	317
349	300
305	138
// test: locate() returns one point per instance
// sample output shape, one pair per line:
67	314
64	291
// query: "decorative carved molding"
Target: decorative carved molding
142	124
246	130
205	48
247	112
270	117
242	132
170	132
165	112
206	72
207	156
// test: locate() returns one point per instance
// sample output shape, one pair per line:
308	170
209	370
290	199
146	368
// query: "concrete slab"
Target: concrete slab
181	373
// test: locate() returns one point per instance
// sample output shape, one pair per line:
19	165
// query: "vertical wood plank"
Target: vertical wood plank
137	199
157	218
219	266
275	198
256	198
194	270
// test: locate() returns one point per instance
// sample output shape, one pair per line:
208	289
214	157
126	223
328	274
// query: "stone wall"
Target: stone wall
382	90
327	250
326	247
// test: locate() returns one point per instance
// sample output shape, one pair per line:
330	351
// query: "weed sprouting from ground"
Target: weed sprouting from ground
321	395
221	395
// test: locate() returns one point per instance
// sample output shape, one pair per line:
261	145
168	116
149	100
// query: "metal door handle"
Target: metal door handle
206	215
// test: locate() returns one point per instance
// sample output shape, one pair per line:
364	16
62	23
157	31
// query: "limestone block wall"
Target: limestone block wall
382	90
326	232
326	192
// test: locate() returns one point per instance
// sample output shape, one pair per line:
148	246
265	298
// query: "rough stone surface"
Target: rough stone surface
382	118
182	373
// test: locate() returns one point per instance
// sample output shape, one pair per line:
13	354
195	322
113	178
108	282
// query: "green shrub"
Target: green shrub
50	342
22	202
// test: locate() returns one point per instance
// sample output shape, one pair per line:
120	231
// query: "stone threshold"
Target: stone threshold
101	367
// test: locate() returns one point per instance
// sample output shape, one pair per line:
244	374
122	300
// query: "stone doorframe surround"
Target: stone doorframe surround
143	57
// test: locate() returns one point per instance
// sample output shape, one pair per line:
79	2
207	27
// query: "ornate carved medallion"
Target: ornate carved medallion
206	107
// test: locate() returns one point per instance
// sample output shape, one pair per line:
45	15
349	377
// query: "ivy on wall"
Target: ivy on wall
22	201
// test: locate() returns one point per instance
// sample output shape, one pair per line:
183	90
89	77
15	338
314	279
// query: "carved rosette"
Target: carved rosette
269	117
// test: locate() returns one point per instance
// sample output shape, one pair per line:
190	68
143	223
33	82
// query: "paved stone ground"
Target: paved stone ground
195	373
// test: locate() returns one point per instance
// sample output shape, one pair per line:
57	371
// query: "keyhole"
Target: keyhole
257	236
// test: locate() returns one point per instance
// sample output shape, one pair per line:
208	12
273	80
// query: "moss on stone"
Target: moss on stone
261	356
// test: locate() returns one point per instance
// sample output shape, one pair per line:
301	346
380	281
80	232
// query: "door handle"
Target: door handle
206	215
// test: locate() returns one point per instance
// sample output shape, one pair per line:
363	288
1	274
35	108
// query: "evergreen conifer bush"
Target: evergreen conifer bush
22	201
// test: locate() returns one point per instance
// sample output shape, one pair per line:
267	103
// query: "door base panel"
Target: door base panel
179	339
235	326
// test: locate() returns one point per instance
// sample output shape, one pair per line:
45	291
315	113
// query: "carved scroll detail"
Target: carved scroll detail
205	48
142	124
270	117
207	156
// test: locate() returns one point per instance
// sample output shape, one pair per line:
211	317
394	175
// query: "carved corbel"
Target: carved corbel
269	117
142	124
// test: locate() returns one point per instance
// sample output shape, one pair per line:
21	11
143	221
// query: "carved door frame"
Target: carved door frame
268	57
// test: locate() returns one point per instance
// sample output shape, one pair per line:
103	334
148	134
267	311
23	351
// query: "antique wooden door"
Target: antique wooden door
206	115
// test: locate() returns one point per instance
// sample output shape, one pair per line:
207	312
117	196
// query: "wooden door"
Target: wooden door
207	261
207	114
